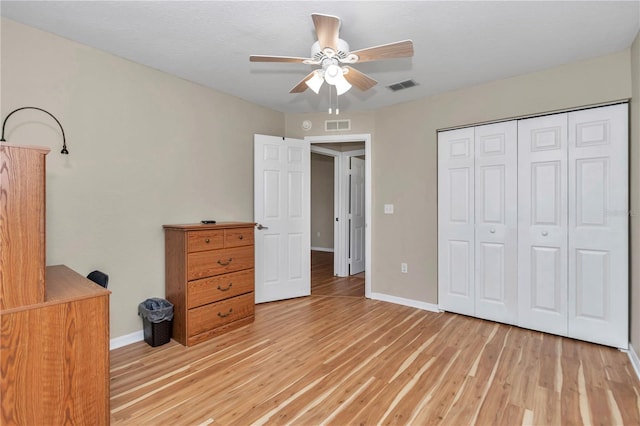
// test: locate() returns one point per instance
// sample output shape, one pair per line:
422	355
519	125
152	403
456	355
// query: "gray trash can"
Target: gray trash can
157	320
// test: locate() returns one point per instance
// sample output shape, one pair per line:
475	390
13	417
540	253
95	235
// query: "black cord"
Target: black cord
64	140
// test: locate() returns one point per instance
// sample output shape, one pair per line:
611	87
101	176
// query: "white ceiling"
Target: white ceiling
457	44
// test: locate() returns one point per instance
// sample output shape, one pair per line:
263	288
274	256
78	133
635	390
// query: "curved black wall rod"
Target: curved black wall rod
64	140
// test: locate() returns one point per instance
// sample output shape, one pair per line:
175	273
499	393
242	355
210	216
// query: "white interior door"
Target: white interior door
356	216
496	222
282	210
542	223
598	225
456	230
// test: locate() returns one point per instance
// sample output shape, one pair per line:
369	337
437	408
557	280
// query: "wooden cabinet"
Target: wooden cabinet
54	323
55	355
209	278
22	228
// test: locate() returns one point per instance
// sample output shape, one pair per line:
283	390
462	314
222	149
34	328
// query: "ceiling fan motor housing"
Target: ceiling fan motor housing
318	54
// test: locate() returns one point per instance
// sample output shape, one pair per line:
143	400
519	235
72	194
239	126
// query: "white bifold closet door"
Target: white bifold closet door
533	223
599	225
573	237
456	221
477	215
542	223
496	222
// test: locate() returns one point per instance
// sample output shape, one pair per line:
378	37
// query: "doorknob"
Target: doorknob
492	230
260	227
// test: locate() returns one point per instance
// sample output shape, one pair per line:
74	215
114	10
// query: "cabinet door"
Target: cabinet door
496	217
456	221
542	223
598	225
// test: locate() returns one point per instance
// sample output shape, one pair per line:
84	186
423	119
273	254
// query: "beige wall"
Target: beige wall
147	149
635	195
322	197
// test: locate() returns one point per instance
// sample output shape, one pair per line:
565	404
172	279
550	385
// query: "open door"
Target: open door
282	210
356	217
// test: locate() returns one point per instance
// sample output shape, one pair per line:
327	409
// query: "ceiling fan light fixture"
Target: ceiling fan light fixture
315	82
334	75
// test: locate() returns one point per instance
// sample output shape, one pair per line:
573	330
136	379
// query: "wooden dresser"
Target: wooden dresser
209	278
54	334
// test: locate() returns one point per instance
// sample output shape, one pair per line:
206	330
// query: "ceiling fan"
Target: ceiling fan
333	55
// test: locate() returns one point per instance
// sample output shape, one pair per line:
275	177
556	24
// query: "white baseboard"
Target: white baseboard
406	302
635	361
127	339
322	249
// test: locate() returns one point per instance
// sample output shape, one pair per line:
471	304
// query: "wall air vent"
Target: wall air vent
337	125
402	85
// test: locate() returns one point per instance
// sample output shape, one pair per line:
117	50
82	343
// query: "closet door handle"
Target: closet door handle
545	233
492	230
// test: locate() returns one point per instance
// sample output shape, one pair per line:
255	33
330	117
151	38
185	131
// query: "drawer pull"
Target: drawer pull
225	289
221	315
221	263
207	241
241	237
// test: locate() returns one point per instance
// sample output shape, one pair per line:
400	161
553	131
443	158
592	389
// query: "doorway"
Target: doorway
349	222
324	283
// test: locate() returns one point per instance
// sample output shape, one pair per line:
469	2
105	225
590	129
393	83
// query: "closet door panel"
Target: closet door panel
542	223
496	222
456	221
598	225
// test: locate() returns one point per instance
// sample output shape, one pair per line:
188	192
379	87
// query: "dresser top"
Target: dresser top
219	225
64	285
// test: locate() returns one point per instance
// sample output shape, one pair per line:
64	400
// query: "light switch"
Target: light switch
388	209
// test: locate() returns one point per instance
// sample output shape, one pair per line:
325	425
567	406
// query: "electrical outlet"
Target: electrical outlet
388	209
404	268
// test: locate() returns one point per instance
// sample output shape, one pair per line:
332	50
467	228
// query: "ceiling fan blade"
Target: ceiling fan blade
399	49
263	58
302	86
359	79
327	29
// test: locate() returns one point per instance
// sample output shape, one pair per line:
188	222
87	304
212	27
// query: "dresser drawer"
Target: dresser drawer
220	287
205	240
217	314
238	237
204	264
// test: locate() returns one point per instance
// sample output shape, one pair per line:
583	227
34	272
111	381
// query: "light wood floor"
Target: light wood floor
353	361
323	283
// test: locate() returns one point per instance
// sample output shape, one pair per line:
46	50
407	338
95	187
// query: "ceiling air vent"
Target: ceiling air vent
402	85
337	125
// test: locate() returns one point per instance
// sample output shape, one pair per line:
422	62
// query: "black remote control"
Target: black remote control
208	221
